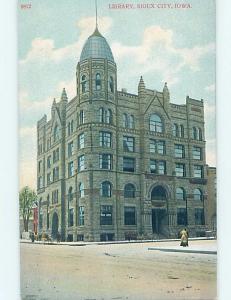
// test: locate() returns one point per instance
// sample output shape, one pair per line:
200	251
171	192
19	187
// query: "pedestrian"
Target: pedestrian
184	237
32	237
58	237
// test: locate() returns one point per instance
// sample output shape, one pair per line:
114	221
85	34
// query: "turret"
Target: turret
166	95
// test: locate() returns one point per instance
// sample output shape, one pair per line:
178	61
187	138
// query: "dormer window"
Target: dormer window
98	81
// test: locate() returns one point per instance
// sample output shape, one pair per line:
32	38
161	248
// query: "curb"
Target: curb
185	251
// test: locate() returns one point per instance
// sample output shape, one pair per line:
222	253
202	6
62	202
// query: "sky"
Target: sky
173	45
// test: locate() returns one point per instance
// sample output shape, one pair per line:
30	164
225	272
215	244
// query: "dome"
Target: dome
96	46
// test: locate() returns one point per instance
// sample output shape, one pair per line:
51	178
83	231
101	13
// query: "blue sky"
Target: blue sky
173	45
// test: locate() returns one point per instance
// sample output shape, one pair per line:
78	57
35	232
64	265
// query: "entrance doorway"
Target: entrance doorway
158	219
55	225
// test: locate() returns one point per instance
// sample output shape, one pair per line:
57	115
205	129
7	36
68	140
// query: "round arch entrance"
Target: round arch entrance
55	225
159	199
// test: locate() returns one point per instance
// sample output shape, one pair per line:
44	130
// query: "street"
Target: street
117	271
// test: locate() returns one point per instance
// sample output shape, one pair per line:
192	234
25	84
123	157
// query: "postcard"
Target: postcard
117	154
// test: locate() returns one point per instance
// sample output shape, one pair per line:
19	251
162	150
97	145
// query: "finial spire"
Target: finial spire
96	14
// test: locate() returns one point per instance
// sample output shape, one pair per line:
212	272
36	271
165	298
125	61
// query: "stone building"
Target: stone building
211	209
114	165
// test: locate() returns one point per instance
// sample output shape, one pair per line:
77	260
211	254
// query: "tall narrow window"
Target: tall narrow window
70	148
181	216
98	81
155	123
108	116
81	163
84	83
197	153
199	134
81	190
111	84
125	121
81	216
81	117
199	216
56	133
131	121
70	194
181	131
71	217
81	141
175	130
195	134
70	169
129	215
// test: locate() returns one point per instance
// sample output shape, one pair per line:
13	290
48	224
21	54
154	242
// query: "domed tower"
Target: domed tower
96	80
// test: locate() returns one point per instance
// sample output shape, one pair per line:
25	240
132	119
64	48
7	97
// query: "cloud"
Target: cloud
44	50
210	88
157	52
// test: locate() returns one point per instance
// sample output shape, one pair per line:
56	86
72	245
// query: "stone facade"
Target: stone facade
211	210
114	165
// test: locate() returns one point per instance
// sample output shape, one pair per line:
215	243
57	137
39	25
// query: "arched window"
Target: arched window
131	121
195	134
125	120
111	84
69	128
56	132
105	189
84	83
180	194
175	130
181	131
197	195
81	117
101	114
81	190
98	81
129	191
70	194
155	123
72	126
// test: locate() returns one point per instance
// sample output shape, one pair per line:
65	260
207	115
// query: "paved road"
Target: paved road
118	271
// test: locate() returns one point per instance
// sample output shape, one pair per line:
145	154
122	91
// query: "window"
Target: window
179	151
71	217
40	182
111	84
200	134
56	155
181	216
157	167
81	190
105	139
48	178
129	215
70	148
40	166
70	194
198	171
81	160
106	189
56	174
81	216
157	147
155	123
81	141
98	81
81	117
195	136
70	127
55	195
125	121
199	216
106	215
180	170
48	143
181	131
129	164
105	161
70	169
56	133
84	83
197	153
175	130
131	121
105	115
129	191
180	194
197	195
197	133
128	144
48	162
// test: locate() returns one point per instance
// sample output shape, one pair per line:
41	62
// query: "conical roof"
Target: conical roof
96	46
